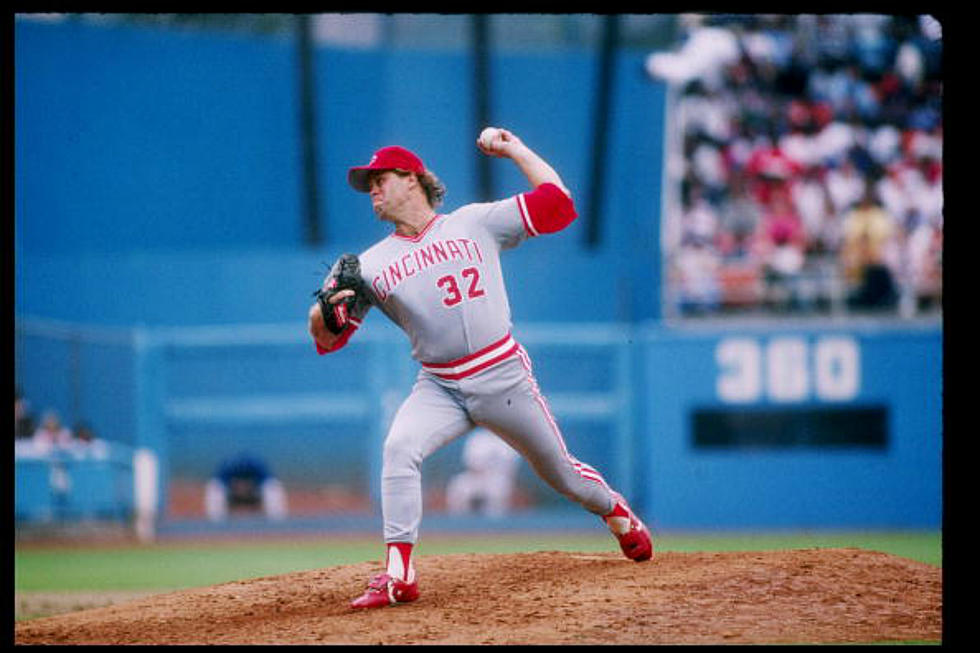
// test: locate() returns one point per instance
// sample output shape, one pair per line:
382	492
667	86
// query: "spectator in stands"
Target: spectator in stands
696	261
244	483
812	202
781	246
799	142
845	183
739	219
770	168
87	445
708	167
700	219
911	187
696	266
869	251
486	485
51	435
24	423
925	248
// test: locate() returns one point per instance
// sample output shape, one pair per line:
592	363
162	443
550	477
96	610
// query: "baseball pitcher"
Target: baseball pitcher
438	277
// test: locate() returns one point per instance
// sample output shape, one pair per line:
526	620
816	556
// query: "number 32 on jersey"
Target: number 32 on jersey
467	287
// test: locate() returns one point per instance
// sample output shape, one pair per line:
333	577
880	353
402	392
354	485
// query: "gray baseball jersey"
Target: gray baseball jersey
444	287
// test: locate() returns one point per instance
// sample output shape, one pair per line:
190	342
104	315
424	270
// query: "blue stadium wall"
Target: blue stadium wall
796	481
163	170
157	180
627	398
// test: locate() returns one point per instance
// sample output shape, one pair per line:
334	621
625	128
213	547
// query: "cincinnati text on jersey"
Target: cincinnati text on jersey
420	258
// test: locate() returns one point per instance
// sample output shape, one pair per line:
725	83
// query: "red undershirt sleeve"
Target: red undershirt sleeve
546	209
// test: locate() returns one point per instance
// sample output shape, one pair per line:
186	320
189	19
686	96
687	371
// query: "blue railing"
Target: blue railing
73	485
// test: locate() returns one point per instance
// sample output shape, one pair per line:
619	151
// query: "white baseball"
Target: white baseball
488	135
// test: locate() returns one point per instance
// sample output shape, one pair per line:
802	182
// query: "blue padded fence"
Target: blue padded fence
624	397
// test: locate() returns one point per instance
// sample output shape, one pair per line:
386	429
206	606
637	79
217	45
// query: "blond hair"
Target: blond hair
433	188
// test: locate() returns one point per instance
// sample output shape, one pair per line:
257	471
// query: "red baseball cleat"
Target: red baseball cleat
634	537
384	590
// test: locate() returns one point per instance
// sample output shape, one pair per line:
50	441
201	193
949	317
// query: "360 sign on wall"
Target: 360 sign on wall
788	369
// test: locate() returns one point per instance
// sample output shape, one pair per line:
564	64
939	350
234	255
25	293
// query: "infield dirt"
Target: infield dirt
792	596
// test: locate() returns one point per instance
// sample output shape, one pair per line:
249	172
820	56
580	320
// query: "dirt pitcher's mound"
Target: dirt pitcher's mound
797	596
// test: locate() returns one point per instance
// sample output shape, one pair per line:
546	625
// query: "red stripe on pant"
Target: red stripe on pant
585	471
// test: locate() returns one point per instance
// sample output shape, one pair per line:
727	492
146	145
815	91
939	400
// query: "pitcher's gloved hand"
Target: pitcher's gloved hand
341	289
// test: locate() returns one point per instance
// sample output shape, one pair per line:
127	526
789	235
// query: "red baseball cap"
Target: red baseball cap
392	157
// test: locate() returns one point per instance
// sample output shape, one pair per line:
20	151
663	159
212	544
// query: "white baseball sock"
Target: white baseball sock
399	564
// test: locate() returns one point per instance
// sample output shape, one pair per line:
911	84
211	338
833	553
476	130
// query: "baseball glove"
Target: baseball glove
344	275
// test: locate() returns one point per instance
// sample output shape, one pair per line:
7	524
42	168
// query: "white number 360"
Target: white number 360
787	369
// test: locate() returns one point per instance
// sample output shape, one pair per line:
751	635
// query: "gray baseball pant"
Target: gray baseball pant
505	399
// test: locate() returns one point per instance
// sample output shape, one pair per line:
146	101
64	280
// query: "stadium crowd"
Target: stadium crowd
48	436
809	163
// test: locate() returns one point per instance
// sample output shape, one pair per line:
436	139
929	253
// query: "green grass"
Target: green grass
176	565
922	546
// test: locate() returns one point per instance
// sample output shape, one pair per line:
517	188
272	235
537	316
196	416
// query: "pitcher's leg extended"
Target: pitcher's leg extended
521	416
